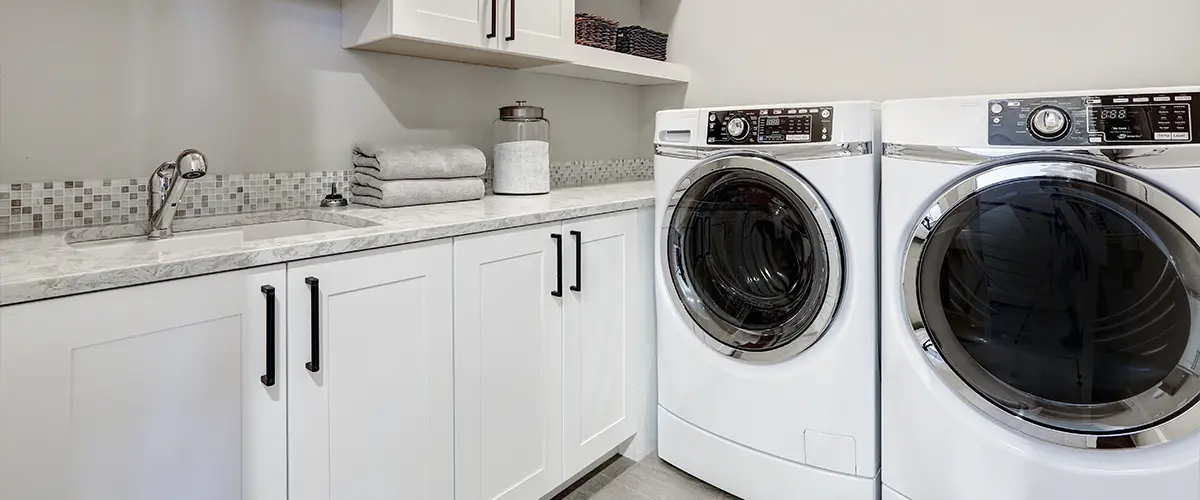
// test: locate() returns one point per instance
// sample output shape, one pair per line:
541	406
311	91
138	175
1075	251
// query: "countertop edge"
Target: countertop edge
12	293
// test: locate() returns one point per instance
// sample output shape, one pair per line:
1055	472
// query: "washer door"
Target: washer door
754	257
1059	295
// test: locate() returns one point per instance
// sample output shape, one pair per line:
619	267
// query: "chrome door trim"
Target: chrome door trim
1179	422
829	232
1161	157
794	152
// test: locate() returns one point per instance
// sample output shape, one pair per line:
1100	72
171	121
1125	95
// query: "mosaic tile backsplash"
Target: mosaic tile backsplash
48	205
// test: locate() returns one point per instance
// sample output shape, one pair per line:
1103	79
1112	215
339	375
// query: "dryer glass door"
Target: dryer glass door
1063	293
754	258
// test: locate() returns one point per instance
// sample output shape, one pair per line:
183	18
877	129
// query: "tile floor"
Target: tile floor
650	479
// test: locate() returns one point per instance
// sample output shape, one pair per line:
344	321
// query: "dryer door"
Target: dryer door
754	257
1059	294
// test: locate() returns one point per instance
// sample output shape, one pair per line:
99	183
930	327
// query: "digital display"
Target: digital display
1111	113
793	128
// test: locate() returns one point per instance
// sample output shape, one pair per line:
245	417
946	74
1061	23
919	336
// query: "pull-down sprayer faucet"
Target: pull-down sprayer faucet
167	185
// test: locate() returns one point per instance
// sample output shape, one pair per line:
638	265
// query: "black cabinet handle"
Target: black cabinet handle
558	243
512	21
578	261
493	33
269	378
314	290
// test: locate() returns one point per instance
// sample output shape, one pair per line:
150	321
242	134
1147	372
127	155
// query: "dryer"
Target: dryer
767	298
1041	296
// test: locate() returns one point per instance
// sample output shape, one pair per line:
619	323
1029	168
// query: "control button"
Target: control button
1014	104
1095	140
824	113
791	111
1162	99
712	117
1120	100
997	108
823	137
1093	101
797	137
1141	99
1183	98
1049	123
1163	136
996	120
738	128
824	130
1180	136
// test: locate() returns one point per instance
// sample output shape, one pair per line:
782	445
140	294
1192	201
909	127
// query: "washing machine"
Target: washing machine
1040	292
767	295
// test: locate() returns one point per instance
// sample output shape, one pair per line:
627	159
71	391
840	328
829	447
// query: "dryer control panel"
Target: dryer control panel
770	126
1094	120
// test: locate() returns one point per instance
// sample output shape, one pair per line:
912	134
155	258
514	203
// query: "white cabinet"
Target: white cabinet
599	343
143	393
544	354
507	364
371	409
539	28
508	33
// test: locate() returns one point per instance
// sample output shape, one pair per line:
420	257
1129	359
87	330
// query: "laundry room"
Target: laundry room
599	249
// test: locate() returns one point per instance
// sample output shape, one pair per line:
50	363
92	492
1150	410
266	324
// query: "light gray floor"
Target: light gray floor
650	479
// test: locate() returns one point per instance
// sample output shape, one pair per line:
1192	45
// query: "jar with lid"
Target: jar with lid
522	153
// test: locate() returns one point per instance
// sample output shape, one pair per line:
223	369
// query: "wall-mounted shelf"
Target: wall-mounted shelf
597	64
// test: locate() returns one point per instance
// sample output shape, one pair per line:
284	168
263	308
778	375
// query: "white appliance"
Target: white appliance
767	294
1040	284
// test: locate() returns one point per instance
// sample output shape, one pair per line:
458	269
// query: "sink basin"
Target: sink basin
205	238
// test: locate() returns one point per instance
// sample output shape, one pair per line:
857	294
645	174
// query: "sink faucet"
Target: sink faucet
167	185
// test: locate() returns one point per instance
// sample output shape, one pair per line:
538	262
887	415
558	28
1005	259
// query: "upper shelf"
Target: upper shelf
597	64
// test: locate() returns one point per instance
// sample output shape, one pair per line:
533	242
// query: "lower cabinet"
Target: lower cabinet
544	354
494	366
144	393
370	366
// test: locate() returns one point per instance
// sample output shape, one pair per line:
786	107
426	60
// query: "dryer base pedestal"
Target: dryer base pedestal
751	474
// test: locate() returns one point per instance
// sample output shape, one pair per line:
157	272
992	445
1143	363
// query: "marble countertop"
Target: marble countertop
41	265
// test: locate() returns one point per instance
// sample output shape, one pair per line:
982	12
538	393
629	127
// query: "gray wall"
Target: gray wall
761	51
96	89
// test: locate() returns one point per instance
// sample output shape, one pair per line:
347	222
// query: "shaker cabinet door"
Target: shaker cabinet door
148	392
371	412
508	364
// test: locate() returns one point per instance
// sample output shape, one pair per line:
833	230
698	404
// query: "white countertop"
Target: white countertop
41	265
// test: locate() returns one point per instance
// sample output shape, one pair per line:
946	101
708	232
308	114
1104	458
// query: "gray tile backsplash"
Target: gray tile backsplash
47	205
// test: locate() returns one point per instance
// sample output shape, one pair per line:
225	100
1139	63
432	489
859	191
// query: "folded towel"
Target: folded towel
392	161
417	192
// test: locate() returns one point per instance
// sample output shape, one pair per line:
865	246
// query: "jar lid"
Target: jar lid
521	111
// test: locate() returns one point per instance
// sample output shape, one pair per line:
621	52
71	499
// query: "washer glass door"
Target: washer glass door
1064	293
753	255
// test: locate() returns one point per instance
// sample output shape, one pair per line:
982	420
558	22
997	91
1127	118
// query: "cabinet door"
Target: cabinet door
145	393
507	364
458	22
540	28
371	411
599	345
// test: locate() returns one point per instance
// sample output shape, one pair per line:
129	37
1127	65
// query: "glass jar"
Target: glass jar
521	157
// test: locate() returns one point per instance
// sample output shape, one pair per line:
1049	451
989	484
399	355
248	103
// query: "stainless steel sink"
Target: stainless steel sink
212	237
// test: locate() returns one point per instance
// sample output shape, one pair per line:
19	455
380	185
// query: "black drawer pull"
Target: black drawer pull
578	261
493	33
558	244
512	21
268	379
314	290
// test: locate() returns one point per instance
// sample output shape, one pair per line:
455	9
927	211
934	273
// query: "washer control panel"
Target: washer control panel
770	126
1096	120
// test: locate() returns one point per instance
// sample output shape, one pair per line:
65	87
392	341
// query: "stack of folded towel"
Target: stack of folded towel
389	175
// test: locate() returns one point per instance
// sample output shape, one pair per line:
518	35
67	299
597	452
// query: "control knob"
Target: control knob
738	128
1049	123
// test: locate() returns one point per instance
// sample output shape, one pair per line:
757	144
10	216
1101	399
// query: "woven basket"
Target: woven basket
643	42
595	31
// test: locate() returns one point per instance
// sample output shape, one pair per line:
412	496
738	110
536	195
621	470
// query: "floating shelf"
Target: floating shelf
598	64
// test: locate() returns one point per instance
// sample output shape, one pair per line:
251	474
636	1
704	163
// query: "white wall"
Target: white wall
110	88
